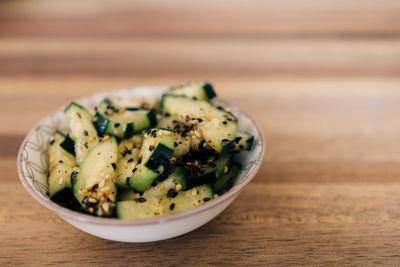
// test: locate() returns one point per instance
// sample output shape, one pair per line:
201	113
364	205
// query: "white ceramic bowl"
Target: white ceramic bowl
32	170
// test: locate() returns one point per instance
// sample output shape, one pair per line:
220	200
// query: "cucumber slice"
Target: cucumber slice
61	164
128	155
217	127
159	206
223	182
200	90
93	184
176	181
243	141
111	118
205	171
82	130
157	149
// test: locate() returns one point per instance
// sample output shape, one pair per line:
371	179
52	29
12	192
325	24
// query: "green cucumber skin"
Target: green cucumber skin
160	157
100	123
151	115
222	182
209	90
73	104
68	145
62	195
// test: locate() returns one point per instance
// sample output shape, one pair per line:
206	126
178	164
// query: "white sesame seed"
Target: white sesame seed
61	180
178	187
162	187
92	200
102	183
194	192
105	207
216	196
226	169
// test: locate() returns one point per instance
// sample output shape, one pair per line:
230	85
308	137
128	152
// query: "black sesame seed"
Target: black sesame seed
200	120
237	139
135	169
106	112
140	199
241	146
248	141
229	119
175	144
172	206
139	160
224	122
114	166
94	187
174	121
117	124
85	133
130	160
52	142
195	98
206	199
84	199
151	148
225	140
172	193
128	181
167	114
220	108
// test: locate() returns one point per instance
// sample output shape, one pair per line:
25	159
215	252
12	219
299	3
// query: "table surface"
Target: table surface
321	78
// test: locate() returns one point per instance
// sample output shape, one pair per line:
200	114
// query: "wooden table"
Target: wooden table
321	77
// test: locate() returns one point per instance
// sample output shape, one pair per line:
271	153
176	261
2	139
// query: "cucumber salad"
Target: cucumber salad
141	158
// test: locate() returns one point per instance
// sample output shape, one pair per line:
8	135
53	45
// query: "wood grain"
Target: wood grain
320	77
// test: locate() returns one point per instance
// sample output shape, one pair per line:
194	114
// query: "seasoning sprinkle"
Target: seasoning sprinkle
178	187
172	206
206	199
172	193
224	122
135	169
52	140
151	148
85	133
130	160
139	160
140	199
114	165
117	124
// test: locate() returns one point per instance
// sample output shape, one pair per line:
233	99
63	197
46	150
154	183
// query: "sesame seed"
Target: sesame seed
206	199
117	124
85	133
241	146
151	148
172	206
224	122
52	140
172	193
178	187
162	187
194	192
91	209
130	160
61	180
114	165
216	196
106	137
102	183
105	207
92	200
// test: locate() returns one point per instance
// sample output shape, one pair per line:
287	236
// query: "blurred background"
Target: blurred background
321	77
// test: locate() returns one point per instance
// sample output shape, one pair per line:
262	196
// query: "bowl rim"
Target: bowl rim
69	214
